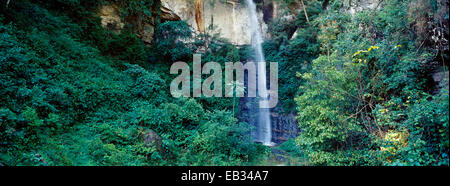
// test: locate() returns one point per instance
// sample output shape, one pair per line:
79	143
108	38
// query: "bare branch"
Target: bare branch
304	10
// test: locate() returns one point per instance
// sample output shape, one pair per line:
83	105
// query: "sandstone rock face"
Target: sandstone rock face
229	19
169	15
110	18
147	33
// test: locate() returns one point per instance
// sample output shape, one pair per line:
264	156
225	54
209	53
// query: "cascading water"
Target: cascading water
263	127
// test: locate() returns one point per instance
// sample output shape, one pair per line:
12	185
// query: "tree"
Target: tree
304	10
172	39
238	88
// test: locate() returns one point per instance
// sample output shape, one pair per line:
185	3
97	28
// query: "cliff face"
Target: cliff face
229	19
111	20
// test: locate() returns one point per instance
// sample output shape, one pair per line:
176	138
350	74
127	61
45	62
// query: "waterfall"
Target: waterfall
263	127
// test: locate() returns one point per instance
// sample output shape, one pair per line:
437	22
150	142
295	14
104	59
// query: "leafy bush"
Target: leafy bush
169	41
365	99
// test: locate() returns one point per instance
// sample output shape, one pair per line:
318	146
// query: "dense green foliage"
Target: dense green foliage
73	93
365	98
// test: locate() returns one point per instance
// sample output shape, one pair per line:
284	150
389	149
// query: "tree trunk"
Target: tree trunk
304	10
233	108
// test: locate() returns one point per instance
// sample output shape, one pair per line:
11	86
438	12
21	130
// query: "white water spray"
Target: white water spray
264	129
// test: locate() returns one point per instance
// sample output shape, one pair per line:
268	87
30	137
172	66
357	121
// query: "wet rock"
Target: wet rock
284	127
